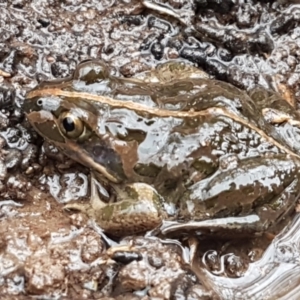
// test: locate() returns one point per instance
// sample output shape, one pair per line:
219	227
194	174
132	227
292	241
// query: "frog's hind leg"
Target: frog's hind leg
281	206
266	191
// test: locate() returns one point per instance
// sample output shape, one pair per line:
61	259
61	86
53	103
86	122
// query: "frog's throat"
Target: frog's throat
214	111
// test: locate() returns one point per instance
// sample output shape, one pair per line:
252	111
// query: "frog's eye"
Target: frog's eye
71	125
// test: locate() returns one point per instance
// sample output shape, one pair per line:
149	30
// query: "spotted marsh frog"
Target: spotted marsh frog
173	149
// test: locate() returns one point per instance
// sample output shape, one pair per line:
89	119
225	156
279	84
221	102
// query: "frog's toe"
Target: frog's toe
226	227
80	207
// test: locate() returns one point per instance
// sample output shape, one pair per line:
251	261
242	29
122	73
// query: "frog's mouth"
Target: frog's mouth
46	125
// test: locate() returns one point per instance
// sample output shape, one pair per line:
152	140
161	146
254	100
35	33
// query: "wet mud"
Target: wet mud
47	253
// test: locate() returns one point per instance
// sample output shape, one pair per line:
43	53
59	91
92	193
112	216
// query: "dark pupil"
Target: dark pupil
68	124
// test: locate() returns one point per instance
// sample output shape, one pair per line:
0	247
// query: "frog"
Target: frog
172	149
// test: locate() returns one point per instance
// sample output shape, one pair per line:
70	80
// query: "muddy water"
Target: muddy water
274	276
49	254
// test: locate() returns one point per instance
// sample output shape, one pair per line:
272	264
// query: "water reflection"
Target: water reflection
275	276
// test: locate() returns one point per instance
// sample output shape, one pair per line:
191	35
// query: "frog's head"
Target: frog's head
73	130
63	117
